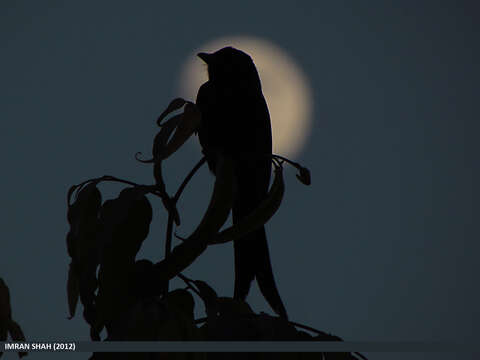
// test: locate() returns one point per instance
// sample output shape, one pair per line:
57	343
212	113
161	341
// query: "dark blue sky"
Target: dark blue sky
382	247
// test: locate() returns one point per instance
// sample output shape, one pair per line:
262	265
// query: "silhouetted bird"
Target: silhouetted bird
235	121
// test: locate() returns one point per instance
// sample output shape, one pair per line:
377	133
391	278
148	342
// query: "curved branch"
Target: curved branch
188	178
171	217
260	216
304	177
217	213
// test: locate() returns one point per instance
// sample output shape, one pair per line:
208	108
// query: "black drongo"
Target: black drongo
236	122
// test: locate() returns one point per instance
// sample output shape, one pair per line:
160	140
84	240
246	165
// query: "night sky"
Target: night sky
383	246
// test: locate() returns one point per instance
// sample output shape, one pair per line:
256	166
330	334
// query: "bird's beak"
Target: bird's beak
205	57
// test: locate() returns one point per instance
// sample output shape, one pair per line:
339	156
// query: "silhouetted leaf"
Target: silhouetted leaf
182	300
82	216
233	307
161	139
188	124
304	176
16	332
126	222
209	297
175	104
179	324
5	310
142	321
17	335
146	280
7	324
83	247
73	289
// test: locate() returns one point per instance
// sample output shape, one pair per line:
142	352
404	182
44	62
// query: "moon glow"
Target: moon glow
284	86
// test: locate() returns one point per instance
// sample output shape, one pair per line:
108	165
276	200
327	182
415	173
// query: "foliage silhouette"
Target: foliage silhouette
130	298
8	326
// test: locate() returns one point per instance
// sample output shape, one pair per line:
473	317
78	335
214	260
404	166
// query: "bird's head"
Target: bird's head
229	64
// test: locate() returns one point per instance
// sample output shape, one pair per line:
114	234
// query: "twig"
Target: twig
168	241
188	178
189	282
293	163
153	189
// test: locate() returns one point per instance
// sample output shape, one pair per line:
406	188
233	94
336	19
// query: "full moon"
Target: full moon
284	86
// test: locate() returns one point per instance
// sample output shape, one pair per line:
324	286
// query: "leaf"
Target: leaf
189	123
70	192
158	176
140	213
209	297
5	310
88	197
179	322
182	300
175	104
144	280
16	334
83	223
84	249
126	222
141	321
159	144
129	214
161	139
71	244
233	307
73	289
304	176
7	324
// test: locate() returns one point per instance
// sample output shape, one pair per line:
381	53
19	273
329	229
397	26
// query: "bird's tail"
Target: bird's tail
252	260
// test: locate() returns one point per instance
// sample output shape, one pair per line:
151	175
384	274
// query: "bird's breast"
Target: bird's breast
235	122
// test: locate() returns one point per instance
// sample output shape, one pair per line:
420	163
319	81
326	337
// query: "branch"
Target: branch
217	213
